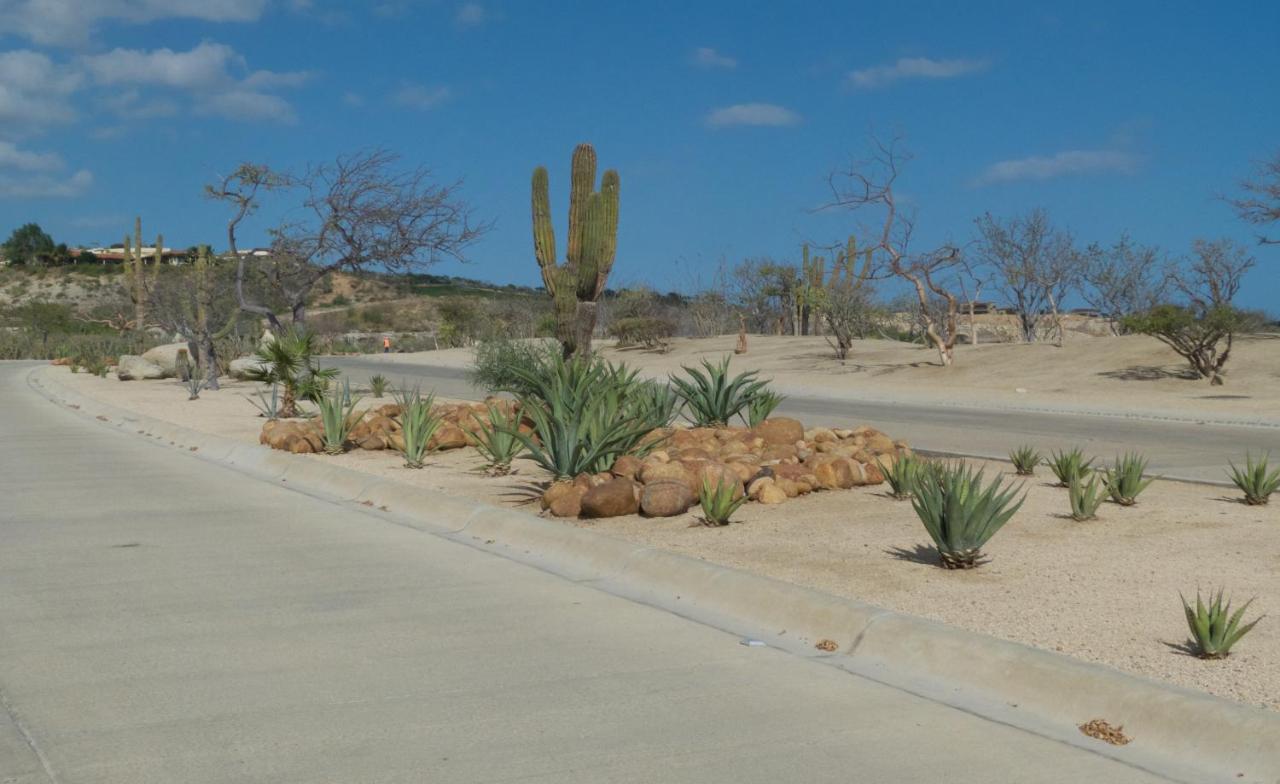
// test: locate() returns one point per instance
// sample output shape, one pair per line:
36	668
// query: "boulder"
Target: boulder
564	499
626	466
780	431
654	471
449	437
166	357
135	368
872	474
241	367
614	498
714	475
665	498
771	494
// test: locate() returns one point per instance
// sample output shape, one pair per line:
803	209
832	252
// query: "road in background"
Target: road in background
1176	449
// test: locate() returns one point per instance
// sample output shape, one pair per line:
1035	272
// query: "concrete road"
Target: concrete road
1175	449
166	620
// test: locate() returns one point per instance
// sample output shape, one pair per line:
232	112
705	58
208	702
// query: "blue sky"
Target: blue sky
723	118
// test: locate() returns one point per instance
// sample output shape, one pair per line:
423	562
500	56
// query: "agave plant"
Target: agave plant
418	423
1214	628
194	383
960	514
1066	465
337	418
268	407
497	441
712	397
718	502
1255	481
1085	497
378	385
651	402
288	359
903	475
1127	479
1025	459
761	406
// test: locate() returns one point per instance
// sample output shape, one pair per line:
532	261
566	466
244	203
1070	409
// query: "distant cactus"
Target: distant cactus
837	300
576	285
136	273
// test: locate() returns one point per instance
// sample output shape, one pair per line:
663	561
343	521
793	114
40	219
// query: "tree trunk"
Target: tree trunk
584	326
299	312
973	326
209	362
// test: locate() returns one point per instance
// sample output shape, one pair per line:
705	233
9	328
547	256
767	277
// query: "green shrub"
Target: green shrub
378	385
643	331
494	368
1068	465
1255	481
712	396
960	514
1025	459
1085	498
1127	479
497	439
1214	628
337	417
418	423
718	502
761	406
289	360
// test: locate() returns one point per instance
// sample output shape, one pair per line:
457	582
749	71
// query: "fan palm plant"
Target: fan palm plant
289	360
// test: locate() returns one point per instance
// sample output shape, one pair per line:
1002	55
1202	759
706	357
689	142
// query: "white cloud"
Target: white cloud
71	22
34	91
24	160
416	96
471	15
1045	167
130	104
752	114
203	67
707	57
45	186
275	80
240	104
913	68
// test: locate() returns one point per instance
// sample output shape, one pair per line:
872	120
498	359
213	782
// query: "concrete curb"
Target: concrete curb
1181	734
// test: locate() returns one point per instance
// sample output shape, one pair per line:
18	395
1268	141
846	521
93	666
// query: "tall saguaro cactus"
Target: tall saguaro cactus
816	288
576	285
136	273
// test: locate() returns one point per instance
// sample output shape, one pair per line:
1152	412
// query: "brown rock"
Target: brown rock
695	453
834	474
610	499
373	442
780	431
449	437
655	471
564	499
716	474
744	471
772	494
757	486
872	473
779	452
626	467
666	498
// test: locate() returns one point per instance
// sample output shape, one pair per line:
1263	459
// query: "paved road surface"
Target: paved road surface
167	621
1182	450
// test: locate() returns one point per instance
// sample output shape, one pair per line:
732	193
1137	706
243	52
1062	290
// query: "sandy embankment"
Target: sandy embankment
1106	590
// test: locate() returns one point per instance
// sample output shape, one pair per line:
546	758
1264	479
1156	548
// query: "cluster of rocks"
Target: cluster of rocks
380	428
771	463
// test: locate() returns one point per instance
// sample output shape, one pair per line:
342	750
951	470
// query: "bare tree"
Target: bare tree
1260	204
1123	279
868	185
360	213
1213	275
1032	264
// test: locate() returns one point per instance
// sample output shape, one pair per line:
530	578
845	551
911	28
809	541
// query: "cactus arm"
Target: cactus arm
582	176
544	234
610	185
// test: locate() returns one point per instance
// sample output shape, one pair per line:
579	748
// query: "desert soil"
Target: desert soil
1134	374
1105	591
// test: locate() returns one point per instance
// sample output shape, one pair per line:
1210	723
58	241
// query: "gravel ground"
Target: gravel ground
1105	591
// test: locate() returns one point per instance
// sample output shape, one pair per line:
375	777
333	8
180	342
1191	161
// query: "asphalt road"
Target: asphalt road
165	620
1176	449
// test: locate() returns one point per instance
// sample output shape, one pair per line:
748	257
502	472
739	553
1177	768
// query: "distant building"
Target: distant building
115	254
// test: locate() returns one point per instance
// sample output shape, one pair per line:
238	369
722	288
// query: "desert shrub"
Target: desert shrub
903	475
1214	628
761	406
418	423
1085	497
289	360
1068	465
712	397
461	321
960	514
1126	479
648	332
337	417
583	413
1203	337
497	440
378	384
848	314
497	361
193	383
1025	459
1255	481
718	502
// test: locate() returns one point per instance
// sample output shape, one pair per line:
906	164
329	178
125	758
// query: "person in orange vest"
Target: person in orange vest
386	344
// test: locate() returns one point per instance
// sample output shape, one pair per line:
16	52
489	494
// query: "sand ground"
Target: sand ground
1105	590
1134	374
